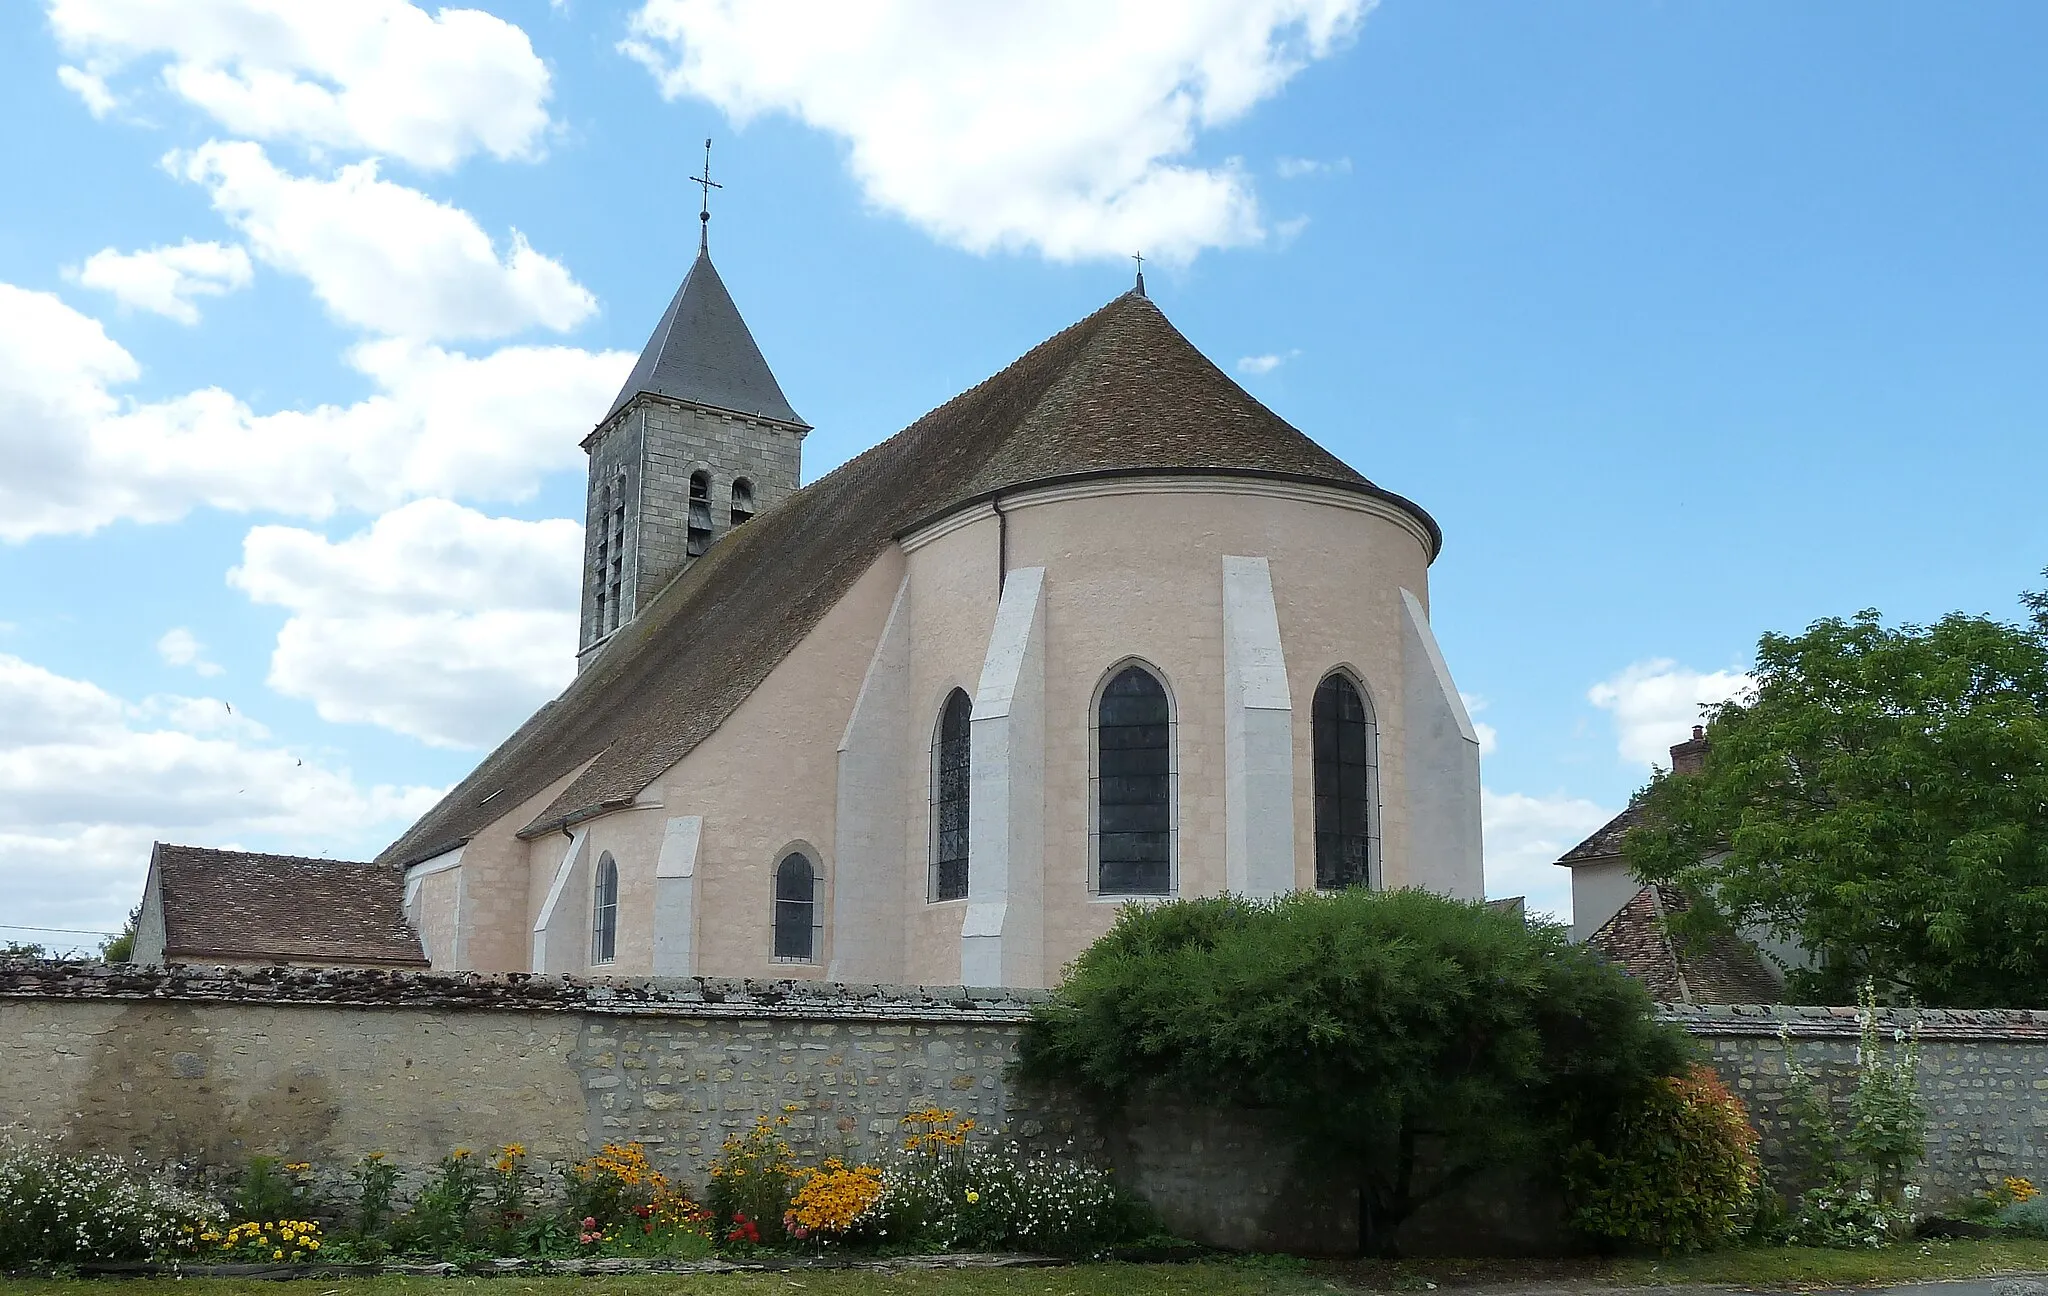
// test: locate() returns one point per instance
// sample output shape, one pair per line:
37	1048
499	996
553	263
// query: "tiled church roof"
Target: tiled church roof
242	907
1122	391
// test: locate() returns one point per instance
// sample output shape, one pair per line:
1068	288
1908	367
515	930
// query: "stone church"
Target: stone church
1102	629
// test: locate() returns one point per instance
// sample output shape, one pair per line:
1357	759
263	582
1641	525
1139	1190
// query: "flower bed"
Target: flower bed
935	1192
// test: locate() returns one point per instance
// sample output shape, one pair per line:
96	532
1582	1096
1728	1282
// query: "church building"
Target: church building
1102	629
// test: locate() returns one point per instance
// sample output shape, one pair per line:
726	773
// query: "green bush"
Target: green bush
1409	1040
2027	1218
1678	1173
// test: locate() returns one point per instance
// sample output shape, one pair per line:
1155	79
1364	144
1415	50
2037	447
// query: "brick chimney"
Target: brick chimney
1690	756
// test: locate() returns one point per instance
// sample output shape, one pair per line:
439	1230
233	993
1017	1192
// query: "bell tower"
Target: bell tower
698	440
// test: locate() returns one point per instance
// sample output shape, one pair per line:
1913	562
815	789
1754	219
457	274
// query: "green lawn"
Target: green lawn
1777	1268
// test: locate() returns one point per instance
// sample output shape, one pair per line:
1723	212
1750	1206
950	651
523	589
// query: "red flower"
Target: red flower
589	1222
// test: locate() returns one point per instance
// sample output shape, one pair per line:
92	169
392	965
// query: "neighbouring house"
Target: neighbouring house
244	909
1624	918
1102	628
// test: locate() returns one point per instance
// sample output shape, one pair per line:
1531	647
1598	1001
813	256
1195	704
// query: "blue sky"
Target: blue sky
1686	321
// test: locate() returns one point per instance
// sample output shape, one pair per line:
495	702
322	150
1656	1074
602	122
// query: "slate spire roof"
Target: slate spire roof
1120	393
702	351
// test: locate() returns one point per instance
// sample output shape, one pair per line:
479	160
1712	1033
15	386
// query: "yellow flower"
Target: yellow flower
313	1243
972	1196
277	1255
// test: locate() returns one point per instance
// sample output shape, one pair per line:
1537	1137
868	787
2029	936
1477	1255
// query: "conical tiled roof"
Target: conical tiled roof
1121	392
702	351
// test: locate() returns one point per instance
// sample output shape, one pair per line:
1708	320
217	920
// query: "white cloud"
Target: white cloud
1524	836
166	279
440	423
1264	364
437	621
88	781
1656	703
384	257
1062	126
1489	737
1295	168
180	647
365	76
89	87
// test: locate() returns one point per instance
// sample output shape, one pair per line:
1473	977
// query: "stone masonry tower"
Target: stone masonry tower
699	440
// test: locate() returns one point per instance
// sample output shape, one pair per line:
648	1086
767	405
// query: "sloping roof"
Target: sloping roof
240	906
1120	392
1605	843
702	351
1725	971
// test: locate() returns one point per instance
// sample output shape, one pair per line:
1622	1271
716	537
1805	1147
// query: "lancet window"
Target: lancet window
1346	742
951	767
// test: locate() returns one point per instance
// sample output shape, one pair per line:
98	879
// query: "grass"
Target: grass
1775	1268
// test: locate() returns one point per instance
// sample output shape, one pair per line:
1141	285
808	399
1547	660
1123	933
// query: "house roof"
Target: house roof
1605	843
240	906
702	351
1120	392
1725	971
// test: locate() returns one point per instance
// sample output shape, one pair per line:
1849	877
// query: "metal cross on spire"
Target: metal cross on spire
707	184
1139	257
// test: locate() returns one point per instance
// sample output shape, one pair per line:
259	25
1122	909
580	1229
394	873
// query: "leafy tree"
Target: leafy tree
1408	1040
120	948
22	950
1881	799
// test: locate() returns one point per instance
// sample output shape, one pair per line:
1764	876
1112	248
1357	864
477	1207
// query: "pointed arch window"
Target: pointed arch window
604	908
614	573
1134	835
698	537
796	909
742	500
952	750
1346	741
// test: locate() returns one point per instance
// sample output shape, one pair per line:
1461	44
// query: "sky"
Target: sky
1687	322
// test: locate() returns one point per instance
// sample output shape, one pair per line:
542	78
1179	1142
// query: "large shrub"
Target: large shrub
1677	1173
1408	1039
58	1209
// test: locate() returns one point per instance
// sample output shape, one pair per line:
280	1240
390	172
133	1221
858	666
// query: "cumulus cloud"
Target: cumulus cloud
1296	168
366	76
1259	365
1524	835
1065	126
166	279
91	89
180	647
436	621
384	257
1489	737
87	781
1656	703
438	423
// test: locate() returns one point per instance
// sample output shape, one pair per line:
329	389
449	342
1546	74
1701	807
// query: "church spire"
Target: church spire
707	184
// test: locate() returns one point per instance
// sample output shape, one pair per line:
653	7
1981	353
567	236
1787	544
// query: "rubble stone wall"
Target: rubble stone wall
211	1066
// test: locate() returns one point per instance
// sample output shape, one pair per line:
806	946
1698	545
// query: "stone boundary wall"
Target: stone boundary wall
208	1066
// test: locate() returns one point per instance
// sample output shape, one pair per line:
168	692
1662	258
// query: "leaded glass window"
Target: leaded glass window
1347	785
1134	811
796	910
604	921
951	764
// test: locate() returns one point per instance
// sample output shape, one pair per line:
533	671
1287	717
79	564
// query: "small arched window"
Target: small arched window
796	909
742	500
1346	742
951	766
604	907
1133	801
698	538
